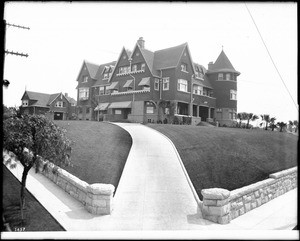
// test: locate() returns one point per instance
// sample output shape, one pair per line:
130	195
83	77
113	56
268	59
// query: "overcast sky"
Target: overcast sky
62	35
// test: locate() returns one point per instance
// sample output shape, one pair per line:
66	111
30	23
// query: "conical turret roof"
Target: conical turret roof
222	64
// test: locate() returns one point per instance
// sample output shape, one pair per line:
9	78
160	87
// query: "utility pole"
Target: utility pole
16	26
6	82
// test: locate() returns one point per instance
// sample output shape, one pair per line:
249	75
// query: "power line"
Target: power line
271	58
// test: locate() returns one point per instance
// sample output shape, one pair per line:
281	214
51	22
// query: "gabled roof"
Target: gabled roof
41	98
149	57
52	98
92	69
71	100
167	58
99	77
223	64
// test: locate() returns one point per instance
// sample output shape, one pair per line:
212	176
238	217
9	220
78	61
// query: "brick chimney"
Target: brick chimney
66	94
141	42
210	64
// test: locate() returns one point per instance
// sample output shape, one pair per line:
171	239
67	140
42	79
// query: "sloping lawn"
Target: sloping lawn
36	216
99	152
230	158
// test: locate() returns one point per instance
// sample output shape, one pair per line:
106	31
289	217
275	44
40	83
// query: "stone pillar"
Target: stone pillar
216	206
99	199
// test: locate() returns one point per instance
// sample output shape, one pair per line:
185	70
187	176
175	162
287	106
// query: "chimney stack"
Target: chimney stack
66	94
141	42
210	64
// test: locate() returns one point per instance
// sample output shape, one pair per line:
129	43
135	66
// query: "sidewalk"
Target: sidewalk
154	194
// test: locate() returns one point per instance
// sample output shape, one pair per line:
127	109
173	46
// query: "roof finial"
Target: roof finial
222	47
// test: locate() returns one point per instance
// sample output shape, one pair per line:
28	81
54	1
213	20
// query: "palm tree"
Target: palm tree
281	125
266	118
272	123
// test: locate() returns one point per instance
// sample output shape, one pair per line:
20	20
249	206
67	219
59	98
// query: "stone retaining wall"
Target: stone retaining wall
220	205
97	198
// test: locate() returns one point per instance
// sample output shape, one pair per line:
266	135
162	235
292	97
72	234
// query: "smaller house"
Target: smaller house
57	106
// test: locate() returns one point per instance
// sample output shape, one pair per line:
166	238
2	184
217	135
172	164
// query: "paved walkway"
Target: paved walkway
153	194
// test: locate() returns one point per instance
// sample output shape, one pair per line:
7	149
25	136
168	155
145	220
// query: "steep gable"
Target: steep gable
92	69
168	58
99	75
122	61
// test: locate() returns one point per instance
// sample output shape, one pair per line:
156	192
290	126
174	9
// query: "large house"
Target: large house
57	106
146	86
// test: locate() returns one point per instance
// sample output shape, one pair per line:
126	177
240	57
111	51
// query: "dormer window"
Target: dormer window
220	76
143	66
84	79
25	103
184	67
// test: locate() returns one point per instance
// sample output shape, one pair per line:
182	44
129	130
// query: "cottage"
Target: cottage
55	106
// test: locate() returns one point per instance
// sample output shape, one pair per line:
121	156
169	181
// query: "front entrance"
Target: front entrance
58	115
203	112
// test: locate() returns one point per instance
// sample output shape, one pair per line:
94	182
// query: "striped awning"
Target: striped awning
120	105
113	86
145	81
128	83
101	106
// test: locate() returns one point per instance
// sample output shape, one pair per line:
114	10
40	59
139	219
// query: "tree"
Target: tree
266	118
272	123
241	116
281	125
31	137
295	122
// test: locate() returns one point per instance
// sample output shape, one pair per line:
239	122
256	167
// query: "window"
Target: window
87	110
134	68
199	75
25	103
182	85
228	76
101	90
167	111
59	104
84	79
198	90
124	69
118	112
233	95
219	110
220	76
83	93
156	84
232	115
184	67
96	90
204	91
106	75
146	87
166	82
149	109
143	66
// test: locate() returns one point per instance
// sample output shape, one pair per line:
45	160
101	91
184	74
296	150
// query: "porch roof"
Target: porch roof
120	105
102	106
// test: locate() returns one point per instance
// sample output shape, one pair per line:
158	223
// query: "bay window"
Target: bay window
182	85
83	93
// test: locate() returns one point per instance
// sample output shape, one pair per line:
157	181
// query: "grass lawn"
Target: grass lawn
229	157
37	217
99	152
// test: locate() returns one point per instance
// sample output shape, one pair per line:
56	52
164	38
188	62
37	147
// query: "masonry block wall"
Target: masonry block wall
97	198
221	206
